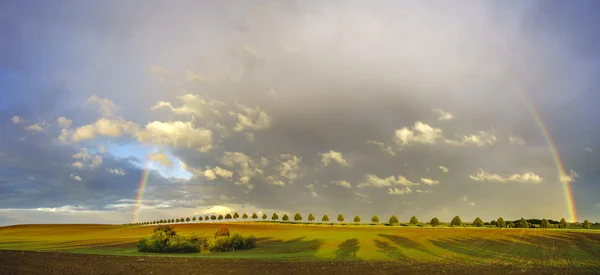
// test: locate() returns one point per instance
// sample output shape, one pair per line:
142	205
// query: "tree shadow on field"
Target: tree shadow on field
294	248
488	249
347	250
575	242
406	242
390	250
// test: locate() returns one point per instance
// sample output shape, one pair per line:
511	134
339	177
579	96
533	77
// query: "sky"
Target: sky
424	108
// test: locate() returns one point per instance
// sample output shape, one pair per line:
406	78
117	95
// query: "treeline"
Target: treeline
393	220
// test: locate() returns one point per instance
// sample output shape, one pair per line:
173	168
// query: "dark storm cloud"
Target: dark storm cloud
330	76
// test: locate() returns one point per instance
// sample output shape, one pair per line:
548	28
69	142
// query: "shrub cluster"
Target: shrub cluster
165	240
225	243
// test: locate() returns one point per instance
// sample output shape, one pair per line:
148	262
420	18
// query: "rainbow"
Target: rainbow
562	175
140	191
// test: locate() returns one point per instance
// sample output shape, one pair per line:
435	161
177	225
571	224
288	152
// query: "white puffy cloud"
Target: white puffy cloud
428	181
63	122
275	181
313	192
116	171
16	120
289	167
375	181
569	178
481	138
212	174
191	105
102	127
216	210
402	191
163	159
342	183
515	140
63	209
423	191
76	177
35	128
107	107
483	175
420	133
444	169
177	134
442	115
241	164
253	119
466	199
333	156
83	156
385	148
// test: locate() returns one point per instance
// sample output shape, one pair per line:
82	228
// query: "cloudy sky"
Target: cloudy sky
389	107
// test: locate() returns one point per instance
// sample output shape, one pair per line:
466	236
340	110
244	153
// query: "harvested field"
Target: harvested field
48	263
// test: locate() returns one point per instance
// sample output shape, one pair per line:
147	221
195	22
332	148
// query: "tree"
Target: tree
254	216
375	219
523	223
200	218
544	224
244	216
311	218
285	218
357	219
236	216
434	222
414	220
563	224
264	216
181	219
586	224
187	219
340	218
177	220
394	220
274	217
493	222
297	217
228	217
220	217
206	218
325	218
501	223
213	217
456	221
477	222
194	219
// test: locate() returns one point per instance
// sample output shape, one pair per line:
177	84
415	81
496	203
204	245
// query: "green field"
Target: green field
540	247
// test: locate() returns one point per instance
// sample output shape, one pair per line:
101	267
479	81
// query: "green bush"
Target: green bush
165	240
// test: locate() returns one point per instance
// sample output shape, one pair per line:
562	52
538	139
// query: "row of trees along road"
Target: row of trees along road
393	220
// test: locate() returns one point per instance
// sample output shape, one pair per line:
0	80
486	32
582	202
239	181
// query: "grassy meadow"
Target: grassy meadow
543	247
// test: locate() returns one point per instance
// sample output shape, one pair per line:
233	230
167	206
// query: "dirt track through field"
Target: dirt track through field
47	263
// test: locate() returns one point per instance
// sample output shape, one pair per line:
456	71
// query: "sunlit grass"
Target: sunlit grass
546	247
